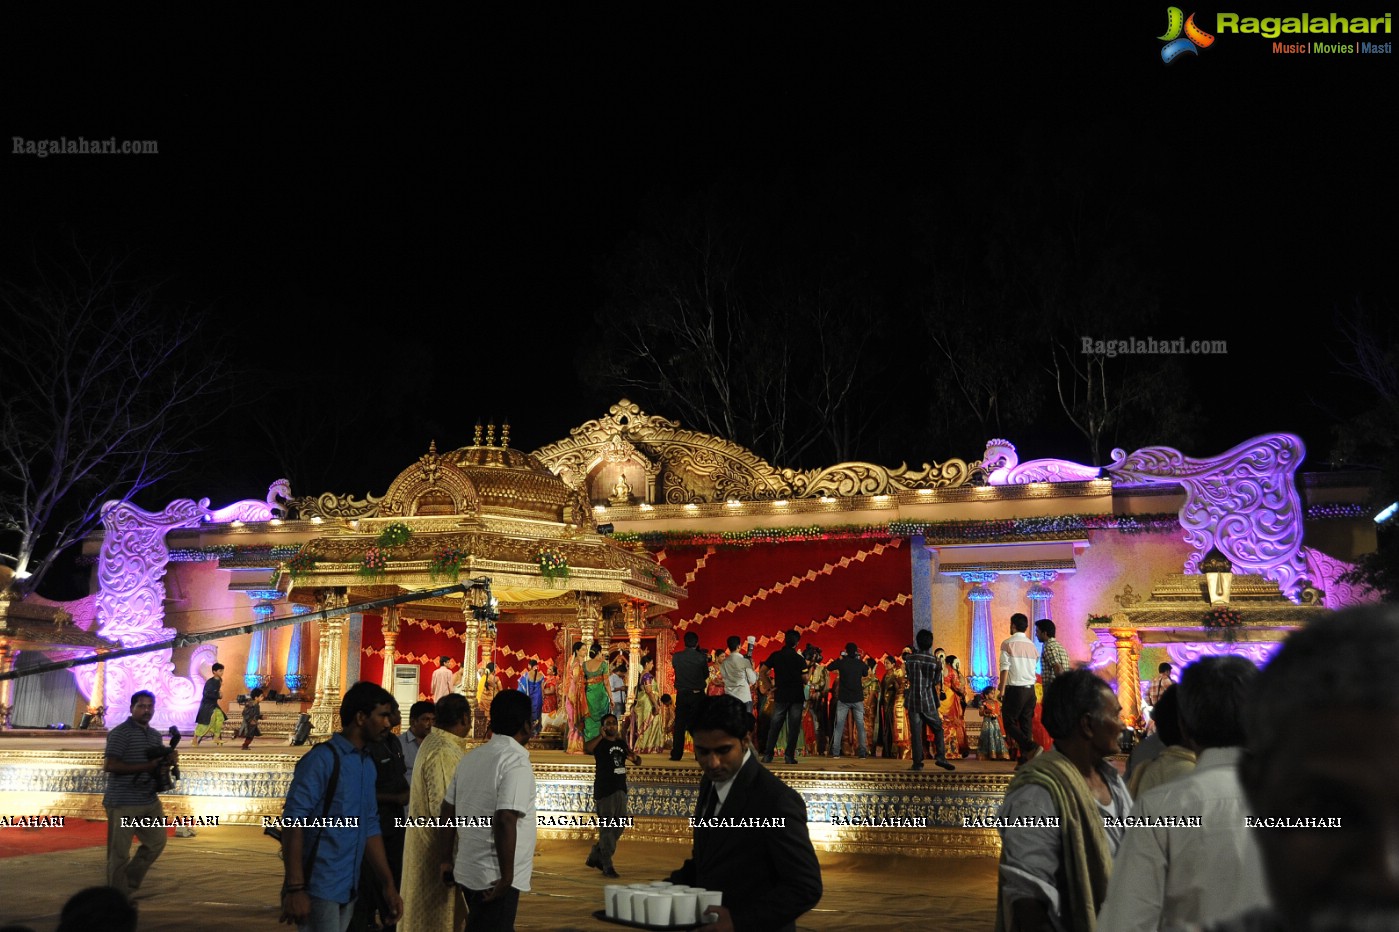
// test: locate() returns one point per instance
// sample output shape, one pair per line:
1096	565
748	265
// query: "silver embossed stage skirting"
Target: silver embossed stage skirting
871	806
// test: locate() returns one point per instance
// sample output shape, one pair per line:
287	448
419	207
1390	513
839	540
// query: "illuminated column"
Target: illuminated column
294	679
326	708
983	644
1129	690
1040	595
258	671
7	661
390	638
97	702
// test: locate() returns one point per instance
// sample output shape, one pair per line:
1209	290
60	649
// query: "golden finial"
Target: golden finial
432	447
476	438
490	434
505	434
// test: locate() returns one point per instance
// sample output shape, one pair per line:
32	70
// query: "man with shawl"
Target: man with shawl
1056	877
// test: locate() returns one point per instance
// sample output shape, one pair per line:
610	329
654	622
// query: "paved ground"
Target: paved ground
226	880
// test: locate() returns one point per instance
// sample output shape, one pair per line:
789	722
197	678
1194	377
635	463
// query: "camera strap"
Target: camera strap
325	811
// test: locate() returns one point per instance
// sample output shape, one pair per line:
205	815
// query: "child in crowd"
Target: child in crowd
992	744
252	713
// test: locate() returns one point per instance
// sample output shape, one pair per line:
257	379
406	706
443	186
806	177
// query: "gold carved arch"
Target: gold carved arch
431	486
699	467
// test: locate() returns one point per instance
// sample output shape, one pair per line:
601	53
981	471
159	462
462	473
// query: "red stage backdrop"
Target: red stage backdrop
832	591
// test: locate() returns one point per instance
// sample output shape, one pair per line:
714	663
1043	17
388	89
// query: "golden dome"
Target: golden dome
510	482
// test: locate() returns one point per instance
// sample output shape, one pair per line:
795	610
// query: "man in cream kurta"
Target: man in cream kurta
429	904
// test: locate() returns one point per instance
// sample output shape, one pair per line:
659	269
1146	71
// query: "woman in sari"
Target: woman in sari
532	685
899	718
549	693
487	687
575	699
762	705
870	685
714	686
598	695
649	731
952	709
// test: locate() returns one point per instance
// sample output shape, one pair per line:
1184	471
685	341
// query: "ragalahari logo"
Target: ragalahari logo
1176	44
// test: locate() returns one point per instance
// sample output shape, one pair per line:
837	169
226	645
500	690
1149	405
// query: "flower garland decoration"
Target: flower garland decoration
447	563
301	565
1099	619
375	563
1225	620
552	563
395	535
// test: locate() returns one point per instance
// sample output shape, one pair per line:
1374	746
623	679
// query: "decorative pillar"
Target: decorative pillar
665	647
921	567
983	643
1040	596
258	671
589	614
633	615
470	650
97	702
330	636
293	678
488	639
390	639
7	662
1129	690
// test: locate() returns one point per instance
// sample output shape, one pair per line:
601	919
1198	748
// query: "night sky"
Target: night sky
398	224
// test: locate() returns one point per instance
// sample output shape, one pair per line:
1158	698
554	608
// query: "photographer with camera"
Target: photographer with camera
138	766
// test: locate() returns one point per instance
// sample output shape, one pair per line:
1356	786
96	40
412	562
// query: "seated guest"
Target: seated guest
1056	878
1176	760
769	875
1320	725
1167	874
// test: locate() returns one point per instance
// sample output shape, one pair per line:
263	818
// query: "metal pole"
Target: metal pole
189	640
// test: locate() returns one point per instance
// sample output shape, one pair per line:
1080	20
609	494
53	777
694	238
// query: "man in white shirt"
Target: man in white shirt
1017	687
738	672
1194	873
494	782
441	679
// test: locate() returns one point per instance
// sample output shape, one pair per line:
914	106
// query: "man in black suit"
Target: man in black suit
691	668
750	836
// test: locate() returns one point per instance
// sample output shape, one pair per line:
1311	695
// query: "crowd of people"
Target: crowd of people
1258	807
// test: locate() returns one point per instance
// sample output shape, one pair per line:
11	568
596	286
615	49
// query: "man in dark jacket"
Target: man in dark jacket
750	836
691	675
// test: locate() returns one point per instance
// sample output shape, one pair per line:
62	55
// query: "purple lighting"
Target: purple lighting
131	598
1004	467
1244	502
